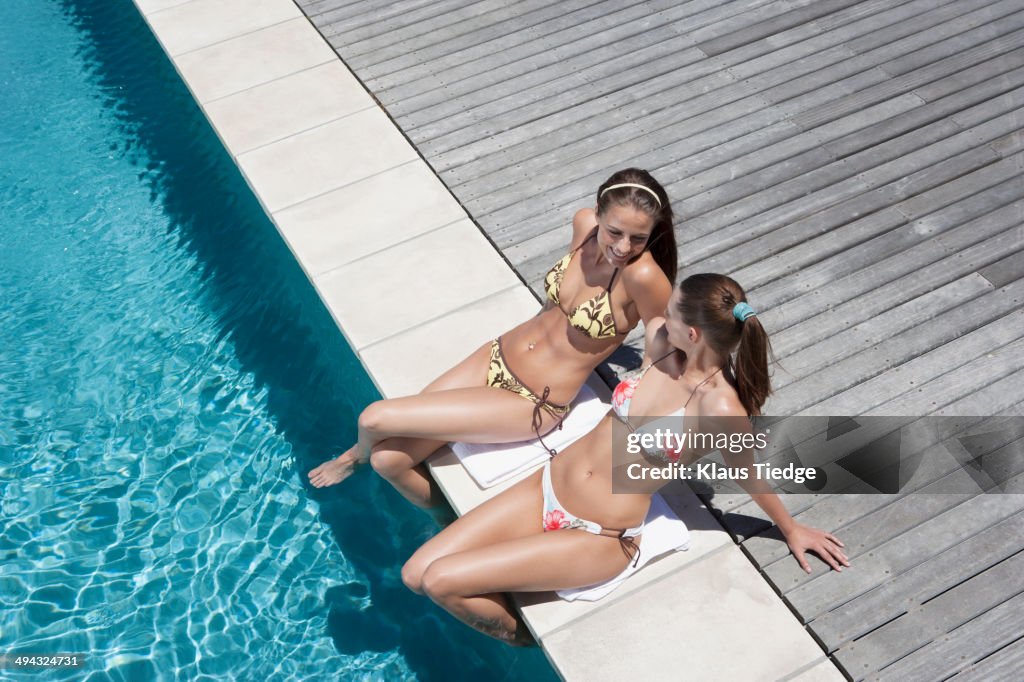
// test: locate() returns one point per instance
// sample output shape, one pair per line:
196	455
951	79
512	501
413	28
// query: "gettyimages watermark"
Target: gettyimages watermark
827	454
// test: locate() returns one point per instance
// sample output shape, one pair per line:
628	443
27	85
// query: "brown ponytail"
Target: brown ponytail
707	302
662	242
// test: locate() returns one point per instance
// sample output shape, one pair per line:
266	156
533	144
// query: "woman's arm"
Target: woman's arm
799	537
649	289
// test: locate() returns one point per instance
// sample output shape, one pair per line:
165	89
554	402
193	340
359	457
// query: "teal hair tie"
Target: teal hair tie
742	310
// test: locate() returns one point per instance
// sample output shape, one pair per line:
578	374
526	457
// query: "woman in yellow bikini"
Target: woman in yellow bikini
617	272
563	527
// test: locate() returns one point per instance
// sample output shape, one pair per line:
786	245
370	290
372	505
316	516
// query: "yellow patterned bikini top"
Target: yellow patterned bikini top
592	317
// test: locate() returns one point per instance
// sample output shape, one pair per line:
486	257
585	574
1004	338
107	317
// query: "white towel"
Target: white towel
663	532
491	464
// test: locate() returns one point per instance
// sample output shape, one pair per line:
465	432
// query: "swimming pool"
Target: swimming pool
167	377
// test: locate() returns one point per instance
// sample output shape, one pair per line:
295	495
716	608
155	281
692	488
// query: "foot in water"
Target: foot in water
334	471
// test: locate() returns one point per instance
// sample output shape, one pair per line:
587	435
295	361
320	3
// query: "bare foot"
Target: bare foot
336	470
523	637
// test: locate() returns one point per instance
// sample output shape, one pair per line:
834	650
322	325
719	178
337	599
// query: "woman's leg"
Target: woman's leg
512	513
470	372
471	585
501	546
446	411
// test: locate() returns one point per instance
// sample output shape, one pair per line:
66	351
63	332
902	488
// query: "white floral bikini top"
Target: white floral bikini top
622	397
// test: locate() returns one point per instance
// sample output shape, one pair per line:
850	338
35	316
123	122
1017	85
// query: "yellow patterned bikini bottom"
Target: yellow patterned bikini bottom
500	376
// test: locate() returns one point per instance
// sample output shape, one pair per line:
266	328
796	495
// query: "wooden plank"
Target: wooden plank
801	307
534	94
847	248
477	67
911	375
665	25
907	332
318	7
1007	269
994	72
399	27
353	17
960	393
741	222
998	226
395	51
880	9
934	619
997	396
816	41
484	40
1015	410
701	149
995	21
791	78
937	573
904	551
883	52
519	214
588	74
1002	666
913	80
946	229
972	97
934	26
1008	144
783	310
897	174
491	222
763	29
858	310
855	500
765	158
867	534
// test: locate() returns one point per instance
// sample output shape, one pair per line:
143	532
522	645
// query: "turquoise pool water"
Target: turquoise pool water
167	377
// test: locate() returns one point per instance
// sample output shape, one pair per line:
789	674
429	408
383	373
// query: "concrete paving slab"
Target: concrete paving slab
253	59
822	671
325	158
414	282
187	27
458	486
367	216
718	608
278	109
428	350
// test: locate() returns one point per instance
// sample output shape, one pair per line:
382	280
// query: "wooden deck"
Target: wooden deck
855	164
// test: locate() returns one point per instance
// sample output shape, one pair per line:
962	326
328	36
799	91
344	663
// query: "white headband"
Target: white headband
632	184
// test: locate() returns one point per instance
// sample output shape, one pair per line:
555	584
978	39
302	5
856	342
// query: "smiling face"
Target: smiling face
622	233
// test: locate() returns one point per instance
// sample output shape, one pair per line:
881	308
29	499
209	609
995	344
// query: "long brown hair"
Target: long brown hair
707	302
662	242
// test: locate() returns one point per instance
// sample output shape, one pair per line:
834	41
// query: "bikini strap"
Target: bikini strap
653	363
694	391
626	543
592	235
611	282
538	420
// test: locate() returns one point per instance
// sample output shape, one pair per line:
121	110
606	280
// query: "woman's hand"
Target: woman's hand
801	538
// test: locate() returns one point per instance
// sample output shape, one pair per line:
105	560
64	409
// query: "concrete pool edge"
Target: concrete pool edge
318	152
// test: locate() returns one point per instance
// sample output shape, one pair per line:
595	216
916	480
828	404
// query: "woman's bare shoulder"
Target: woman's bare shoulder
644	272
583	223
722	401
